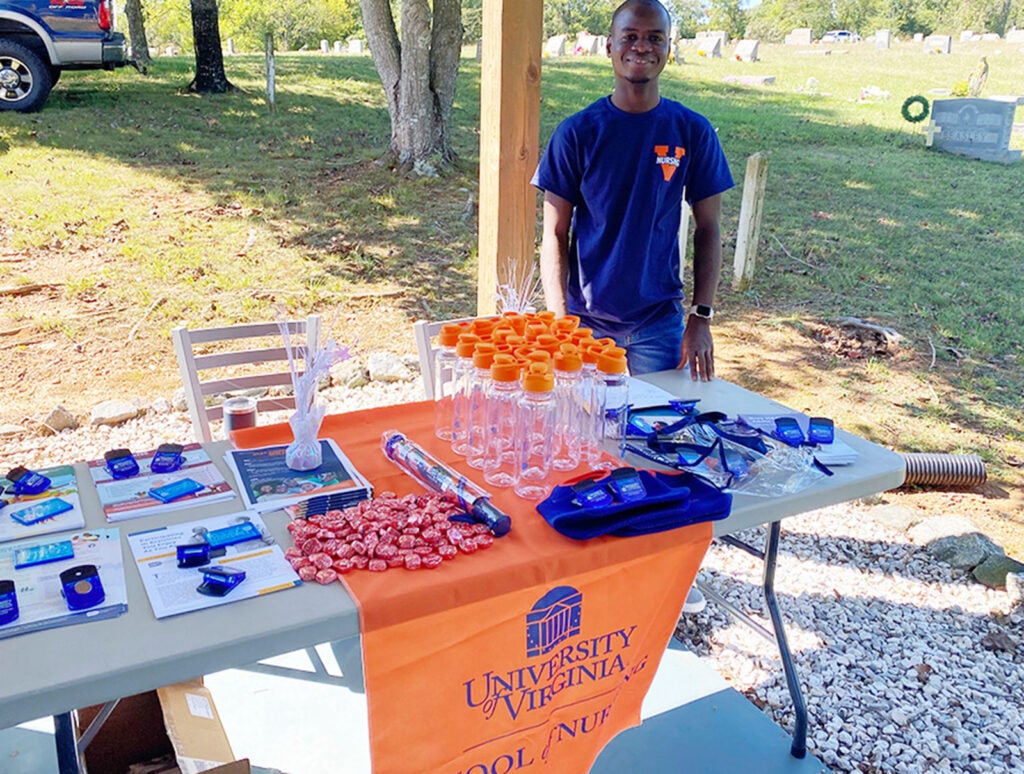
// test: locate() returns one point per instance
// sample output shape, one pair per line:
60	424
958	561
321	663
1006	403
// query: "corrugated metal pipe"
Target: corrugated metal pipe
963	470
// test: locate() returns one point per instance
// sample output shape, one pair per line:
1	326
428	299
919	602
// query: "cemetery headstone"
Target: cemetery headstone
968	35
1015	36
710	44
355	46
938	44
339	47
746	51
883	39
325	47
556	46
587	44
801	36
990	36
979	128
918	37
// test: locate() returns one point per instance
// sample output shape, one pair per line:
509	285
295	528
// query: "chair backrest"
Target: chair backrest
424	333
256	349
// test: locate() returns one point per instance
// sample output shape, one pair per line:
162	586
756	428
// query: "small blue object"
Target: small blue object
788	431
590	494
237	533
218	581
38	511
168	458
27	482
193	554
8	602
175	490
627	486
81	587
28	556
821	431
121	463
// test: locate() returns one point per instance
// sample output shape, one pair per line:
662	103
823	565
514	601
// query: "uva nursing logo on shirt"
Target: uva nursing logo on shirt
559	657
668	162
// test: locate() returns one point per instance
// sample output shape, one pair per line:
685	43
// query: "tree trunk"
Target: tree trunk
418	73
210	76
137	33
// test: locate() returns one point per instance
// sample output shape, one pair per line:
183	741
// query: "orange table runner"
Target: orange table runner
533	653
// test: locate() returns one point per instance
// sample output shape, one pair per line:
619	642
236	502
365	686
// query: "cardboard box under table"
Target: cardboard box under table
535	652
173	729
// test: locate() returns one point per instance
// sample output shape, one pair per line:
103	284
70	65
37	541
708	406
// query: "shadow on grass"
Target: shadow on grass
858	221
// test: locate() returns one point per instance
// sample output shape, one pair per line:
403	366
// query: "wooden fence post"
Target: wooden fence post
751	210
271	96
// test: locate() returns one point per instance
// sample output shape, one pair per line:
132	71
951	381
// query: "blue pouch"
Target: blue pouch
672	500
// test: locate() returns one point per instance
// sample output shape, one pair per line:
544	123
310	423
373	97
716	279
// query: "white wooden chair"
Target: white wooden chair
218	353
424	333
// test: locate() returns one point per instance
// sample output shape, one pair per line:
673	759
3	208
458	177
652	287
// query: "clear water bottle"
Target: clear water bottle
591	424
460	395
568	410
444	380
613	390
536	425
502	407
476	424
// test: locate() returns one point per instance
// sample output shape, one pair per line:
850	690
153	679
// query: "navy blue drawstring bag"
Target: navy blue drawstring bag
671	500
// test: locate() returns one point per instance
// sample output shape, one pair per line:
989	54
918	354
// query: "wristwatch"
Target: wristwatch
701	310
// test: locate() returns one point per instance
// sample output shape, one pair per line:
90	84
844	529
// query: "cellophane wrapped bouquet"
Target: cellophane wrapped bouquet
304	453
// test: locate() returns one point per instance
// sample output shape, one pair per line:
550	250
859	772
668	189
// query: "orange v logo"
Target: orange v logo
668	163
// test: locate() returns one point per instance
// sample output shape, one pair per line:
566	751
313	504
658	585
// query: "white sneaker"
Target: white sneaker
695	601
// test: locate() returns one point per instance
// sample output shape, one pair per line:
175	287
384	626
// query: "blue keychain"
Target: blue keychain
27	482
121	464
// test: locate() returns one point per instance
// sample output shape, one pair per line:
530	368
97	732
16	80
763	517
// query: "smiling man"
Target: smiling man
613	178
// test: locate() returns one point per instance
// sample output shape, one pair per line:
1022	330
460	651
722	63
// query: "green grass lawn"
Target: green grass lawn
215	210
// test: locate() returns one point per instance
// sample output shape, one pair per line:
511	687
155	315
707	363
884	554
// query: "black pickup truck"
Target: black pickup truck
41	38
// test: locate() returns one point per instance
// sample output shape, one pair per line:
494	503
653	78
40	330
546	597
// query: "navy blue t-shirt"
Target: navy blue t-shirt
624	174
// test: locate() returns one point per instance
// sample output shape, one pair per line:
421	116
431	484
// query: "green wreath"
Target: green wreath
915	118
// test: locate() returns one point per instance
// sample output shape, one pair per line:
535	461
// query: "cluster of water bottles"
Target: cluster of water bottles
524	395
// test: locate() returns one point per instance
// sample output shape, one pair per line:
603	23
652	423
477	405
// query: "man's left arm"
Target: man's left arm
698	350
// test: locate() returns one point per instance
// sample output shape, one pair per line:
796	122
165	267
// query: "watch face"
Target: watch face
702	310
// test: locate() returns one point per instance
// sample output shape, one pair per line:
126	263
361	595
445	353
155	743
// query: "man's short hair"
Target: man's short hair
649	3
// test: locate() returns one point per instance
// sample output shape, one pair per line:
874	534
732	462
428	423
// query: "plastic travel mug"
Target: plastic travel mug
239	413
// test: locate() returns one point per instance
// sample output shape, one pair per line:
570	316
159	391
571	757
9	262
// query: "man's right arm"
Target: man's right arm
554	252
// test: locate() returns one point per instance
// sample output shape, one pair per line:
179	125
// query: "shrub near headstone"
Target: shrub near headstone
979	128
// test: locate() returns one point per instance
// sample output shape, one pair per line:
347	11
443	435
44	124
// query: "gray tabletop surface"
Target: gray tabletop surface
53	671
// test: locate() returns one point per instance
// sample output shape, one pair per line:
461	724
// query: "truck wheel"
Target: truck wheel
25	79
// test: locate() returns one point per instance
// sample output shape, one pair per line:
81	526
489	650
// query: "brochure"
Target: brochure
265	481
173	590
94	582
129	498
16	510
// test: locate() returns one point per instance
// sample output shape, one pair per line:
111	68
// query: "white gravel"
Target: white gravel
906	665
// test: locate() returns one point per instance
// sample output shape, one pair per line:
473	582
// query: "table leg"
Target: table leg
67	745
799	746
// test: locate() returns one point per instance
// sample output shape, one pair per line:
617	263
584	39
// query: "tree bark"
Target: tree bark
418	72
210	77
137	33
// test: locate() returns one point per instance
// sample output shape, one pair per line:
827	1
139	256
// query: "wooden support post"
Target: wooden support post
748	233
509	139
271	88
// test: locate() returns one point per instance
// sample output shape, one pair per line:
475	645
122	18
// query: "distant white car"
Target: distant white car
840	36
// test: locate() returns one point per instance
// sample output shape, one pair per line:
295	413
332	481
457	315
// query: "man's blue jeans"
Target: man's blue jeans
653	347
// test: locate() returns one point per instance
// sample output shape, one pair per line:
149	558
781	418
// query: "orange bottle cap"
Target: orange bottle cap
538	378
467	343
568	361
548	342
484	355
505	368
448	336
609	363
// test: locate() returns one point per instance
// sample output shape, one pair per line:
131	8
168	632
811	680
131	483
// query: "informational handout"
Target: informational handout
93	580
129	498
173	590
24	516
266	482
